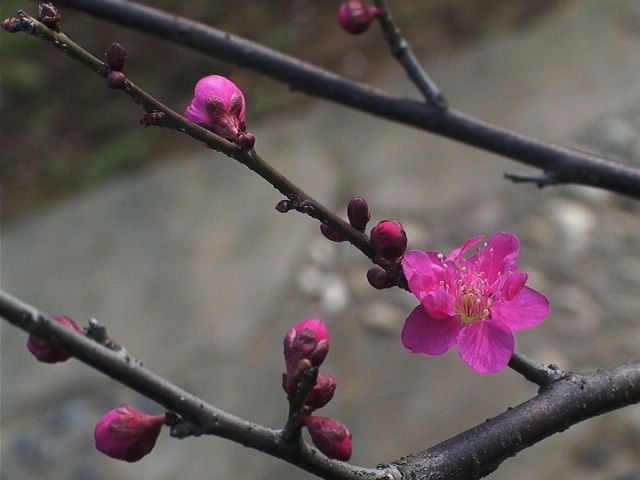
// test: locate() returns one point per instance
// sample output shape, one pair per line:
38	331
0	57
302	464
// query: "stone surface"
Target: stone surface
192	269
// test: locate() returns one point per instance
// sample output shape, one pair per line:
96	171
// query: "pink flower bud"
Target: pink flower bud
127	434
305	346
379	278
358	213
321	393
356	16
116	56
330	436
330	233
50	16
43	350
388	240
116	79
218	106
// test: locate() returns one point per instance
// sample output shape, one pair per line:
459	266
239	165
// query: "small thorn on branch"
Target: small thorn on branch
540	179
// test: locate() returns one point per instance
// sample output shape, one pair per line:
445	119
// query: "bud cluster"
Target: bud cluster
387	239
305	347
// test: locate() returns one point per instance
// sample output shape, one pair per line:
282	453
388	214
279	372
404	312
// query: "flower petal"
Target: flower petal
439	304
465	246
416	261
485	346
499	255
424	334
528	308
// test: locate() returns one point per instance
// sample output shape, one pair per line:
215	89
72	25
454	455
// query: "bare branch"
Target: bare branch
568	165
479	451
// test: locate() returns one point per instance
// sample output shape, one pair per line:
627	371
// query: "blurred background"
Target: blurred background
180	253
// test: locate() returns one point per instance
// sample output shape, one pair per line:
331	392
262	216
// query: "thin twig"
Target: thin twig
402	51
165	117
534	371
569	165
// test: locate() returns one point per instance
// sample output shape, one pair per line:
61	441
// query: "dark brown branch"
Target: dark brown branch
206	418
566	164
469	455
479	451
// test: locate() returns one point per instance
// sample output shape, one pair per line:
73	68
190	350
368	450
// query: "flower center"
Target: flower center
472	292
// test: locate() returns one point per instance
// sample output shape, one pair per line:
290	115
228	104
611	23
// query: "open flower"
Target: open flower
126	433
474	302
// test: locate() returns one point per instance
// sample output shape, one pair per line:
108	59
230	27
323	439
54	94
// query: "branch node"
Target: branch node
540	179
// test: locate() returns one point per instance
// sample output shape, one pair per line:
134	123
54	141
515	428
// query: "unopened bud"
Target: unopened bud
379	278
388	240
246	140
219	106
116	79
116	56
330	233
305	345
356	16
50	16
321	393
127	434
358	213
43	350
12	24
330	436
284	206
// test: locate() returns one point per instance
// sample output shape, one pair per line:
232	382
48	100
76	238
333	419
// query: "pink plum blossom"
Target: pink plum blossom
330	436
219	106
127	434
474	303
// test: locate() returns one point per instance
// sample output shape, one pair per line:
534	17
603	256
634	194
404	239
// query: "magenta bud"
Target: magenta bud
321	393
330	437
116	56
330	233
356	16
127	434
246	141
306	345
115	79
358	213
379	278
43	350
388	240
284	206
219	106
50	16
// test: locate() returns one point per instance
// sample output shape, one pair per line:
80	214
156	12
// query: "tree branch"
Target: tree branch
469	455
565	164
207	418
479	451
